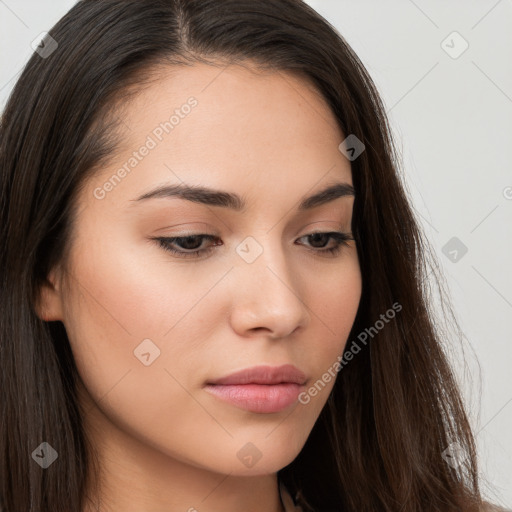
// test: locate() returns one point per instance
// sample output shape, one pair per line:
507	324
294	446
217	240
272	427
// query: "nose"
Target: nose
267	296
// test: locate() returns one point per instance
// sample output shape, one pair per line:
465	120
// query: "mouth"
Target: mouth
261	389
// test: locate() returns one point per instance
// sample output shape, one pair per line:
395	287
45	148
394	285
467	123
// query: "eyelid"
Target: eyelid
185	234
334	225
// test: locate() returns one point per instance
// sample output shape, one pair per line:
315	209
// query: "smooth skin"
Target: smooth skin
164	443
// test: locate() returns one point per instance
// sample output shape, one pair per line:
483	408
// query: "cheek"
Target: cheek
116	303
135	288
333	301
120	298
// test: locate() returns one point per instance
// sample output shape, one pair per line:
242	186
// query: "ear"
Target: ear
49	299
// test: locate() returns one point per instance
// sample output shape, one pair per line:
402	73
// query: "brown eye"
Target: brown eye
318	238
188	246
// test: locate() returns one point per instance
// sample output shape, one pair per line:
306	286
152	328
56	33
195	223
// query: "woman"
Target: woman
212	279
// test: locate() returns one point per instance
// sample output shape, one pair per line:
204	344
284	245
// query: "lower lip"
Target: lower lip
260	398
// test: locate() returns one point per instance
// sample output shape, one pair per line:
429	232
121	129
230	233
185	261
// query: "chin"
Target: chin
265	453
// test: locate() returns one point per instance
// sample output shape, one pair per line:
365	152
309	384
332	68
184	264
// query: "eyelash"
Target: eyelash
165	242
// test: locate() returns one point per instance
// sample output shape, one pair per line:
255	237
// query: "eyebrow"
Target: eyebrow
213	197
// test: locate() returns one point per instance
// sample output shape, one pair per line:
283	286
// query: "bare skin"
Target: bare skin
164	443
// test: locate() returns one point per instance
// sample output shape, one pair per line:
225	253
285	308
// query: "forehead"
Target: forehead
224	126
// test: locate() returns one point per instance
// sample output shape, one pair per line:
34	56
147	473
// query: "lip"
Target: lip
264	374
260	389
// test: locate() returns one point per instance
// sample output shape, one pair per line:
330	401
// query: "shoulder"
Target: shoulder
291	506
491	507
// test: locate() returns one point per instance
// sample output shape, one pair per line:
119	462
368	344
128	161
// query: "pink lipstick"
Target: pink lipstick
260	389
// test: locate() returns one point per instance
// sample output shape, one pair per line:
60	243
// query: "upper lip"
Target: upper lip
264	375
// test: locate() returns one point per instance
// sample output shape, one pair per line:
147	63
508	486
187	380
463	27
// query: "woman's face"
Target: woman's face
149	328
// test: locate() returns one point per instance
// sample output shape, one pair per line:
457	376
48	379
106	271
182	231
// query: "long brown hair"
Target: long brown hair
381	440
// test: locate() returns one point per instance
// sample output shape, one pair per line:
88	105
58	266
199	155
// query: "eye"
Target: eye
340	240
189	246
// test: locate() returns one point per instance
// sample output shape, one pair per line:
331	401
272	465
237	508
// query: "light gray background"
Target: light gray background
452	119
